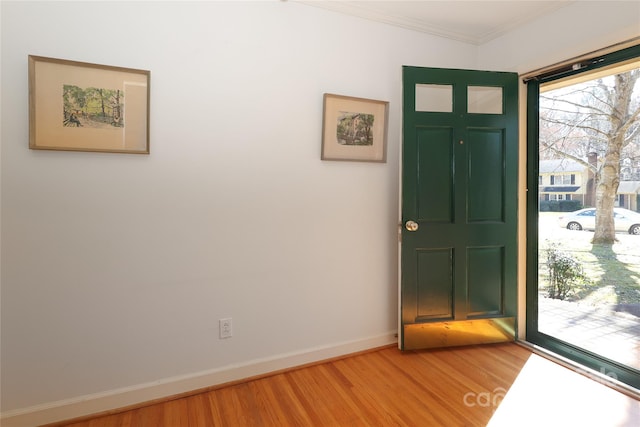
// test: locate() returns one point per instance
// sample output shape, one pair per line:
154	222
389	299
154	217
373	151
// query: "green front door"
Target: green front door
459	201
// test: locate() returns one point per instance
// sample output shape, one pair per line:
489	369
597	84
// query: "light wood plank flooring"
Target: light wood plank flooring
448	387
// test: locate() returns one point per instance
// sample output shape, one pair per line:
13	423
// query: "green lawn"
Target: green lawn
613	271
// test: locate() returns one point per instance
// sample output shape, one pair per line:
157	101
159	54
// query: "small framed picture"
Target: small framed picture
77	106
354	129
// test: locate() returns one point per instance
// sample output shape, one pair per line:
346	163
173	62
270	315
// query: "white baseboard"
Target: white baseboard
133	395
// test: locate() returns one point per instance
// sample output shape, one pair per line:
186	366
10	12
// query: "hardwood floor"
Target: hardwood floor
448	387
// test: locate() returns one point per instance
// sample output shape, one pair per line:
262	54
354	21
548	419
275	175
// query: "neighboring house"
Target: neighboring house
565	179
629	195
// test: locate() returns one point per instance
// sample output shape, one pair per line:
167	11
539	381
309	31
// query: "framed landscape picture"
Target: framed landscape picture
77	106
354	129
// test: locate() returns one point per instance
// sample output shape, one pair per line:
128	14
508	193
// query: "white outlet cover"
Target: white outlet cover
226	328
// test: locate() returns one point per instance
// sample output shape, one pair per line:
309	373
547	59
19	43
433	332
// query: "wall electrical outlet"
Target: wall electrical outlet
226	328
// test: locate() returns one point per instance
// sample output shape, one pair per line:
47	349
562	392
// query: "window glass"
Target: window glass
434	98
484	100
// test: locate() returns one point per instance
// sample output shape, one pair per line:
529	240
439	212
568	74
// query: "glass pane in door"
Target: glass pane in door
434	98
484	100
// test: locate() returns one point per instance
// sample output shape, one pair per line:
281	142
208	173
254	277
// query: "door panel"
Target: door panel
486	177
434	175
486	287
434	295
459	184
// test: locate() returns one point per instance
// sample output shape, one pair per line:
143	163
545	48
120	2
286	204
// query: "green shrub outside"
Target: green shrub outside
560	205
566	274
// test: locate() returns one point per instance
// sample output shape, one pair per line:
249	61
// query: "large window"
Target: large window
563	179
583	266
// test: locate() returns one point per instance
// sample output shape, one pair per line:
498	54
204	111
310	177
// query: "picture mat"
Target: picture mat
334	107
48	130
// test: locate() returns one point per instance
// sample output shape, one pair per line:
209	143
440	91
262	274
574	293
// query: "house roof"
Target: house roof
563	189
629	187
560	165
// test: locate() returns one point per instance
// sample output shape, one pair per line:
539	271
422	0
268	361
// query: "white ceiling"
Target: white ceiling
470	21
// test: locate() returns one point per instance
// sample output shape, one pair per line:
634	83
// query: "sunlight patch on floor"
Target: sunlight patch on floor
547	394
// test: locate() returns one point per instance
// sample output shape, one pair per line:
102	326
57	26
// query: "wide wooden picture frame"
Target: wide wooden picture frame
354	129
78	106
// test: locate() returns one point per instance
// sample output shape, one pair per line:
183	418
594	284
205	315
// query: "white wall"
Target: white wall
116	268
578	28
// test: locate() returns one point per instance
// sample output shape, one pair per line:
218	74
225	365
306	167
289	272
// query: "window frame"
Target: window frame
622	373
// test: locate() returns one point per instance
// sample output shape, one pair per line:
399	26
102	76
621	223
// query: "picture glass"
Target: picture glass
354	129
85	107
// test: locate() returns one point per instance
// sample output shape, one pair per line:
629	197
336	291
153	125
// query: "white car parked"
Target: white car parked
585	219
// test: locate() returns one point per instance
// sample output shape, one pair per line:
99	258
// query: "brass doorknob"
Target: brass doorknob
411	225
